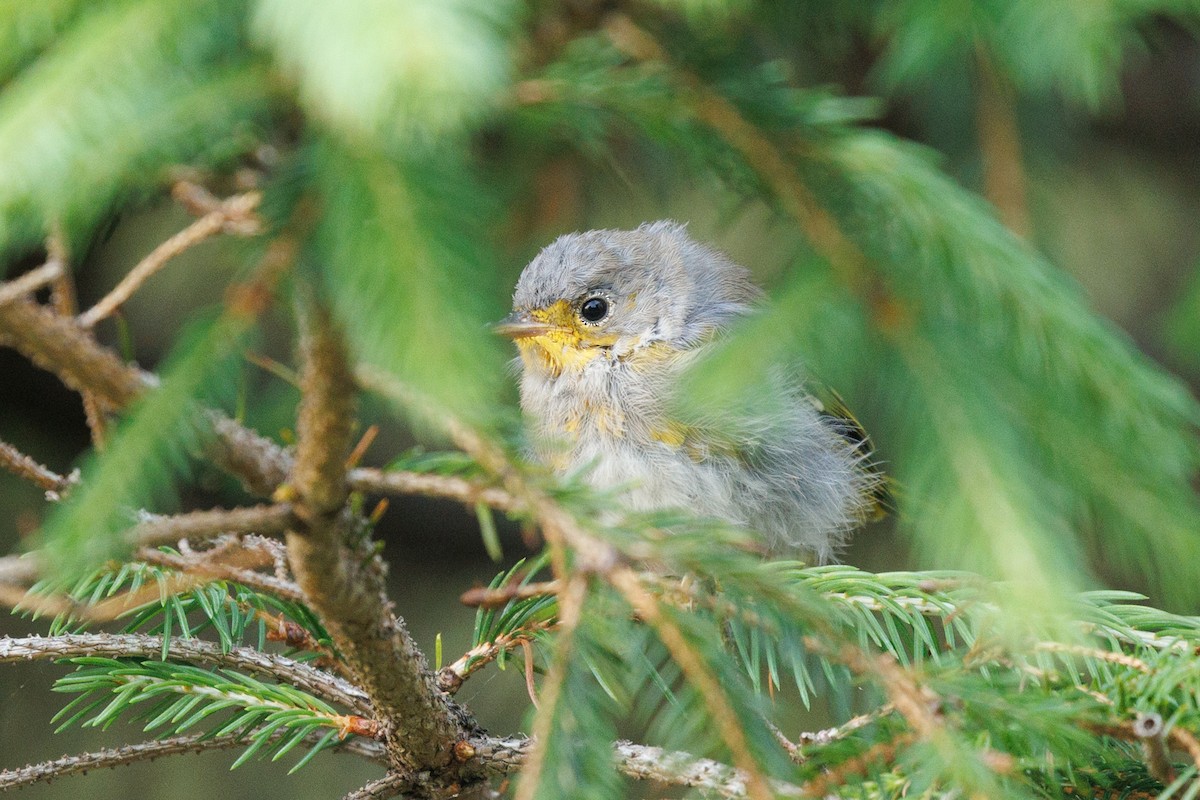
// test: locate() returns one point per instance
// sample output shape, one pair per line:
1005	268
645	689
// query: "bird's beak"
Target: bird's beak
520	325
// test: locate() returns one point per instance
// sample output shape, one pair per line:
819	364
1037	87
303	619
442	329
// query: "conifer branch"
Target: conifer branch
683	769
393	784
170	530
58	345
203	564
20	287
487	597
462	490
571	601
131	645
51	770
264	520
692	663
504	756
61	347
451	677
65	300
336	564
27	468
110	757
234	214
260	464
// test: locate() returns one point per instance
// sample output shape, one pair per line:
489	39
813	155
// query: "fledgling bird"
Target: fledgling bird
605	323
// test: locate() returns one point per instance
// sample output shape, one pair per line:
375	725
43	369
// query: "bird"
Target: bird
606	323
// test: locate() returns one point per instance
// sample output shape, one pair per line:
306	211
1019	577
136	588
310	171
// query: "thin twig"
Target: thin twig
830	735
62	347
25	467
264	520
1095	653
505	756
451	677
195	198
276	368
22	286
270	584
467	492
683	769
115	607
359	450
65	300
47	771
134	645
698	673
487	597
160	530
237	208
393	784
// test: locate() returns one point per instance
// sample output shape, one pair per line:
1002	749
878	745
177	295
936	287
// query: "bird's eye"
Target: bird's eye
594	309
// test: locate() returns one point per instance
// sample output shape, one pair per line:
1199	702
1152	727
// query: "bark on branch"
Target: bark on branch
58	345
132	645
264	520
335	563
47	771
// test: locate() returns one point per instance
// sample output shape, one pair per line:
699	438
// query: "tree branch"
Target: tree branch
22	286
259	463
697	671
253	579
60	346
65	300
29	469
391	785
504	756
233	214
133	645
160	530
147	751
451	677
114	757
265	520
336	564
467	492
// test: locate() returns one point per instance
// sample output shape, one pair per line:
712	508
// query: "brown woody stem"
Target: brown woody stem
335	563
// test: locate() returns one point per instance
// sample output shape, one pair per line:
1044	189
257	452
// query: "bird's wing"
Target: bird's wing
835	410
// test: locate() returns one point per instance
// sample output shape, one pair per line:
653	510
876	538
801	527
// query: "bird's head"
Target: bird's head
622	295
